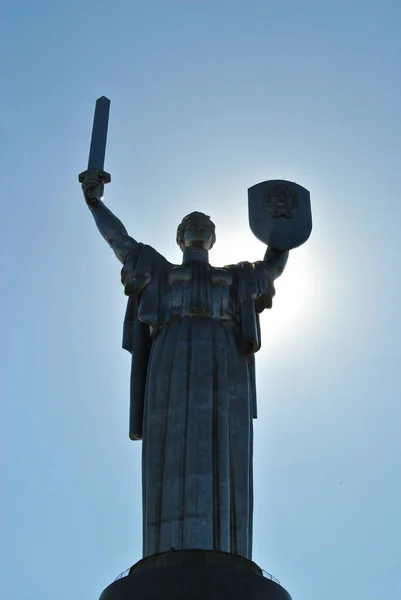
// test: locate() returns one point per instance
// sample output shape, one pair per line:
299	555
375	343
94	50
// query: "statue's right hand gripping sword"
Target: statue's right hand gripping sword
98	147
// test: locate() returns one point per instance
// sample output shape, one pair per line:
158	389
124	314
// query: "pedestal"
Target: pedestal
195	575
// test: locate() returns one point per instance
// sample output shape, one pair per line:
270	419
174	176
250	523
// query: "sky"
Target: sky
208	97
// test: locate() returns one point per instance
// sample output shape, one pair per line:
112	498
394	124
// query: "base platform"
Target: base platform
195	575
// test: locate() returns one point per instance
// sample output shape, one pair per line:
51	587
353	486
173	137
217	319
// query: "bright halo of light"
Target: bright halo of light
292	304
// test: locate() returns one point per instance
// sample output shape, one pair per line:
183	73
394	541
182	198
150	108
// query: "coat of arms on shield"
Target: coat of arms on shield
280	213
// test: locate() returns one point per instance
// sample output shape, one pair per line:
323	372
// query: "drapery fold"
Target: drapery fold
192	330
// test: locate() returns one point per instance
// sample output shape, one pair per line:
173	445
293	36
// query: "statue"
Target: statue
193	331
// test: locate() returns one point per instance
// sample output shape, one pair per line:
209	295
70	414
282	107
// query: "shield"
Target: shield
280	213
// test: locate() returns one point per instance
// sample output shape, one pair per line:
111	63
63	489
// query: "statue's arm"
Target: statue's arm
275	261
112	230
107	223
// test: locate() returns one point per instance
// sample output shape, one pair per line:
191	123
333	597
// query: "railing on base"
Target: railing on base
265	574
270	576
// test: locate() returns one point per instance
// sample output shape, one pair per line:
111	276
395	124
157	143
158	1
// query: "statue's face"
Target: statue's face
198	233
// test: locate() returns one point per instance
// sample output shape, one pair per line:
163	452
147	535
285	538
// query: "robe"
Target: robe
193	330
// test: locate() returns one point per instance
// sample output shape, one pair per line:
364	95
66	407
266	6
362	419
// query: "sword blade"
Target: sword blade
99	134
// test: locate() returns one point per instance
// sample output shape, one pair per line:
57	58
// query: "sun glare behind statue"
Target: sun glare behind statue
292	304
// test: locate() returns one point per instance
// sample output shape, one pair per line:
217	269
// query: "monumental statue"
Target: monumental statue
193	331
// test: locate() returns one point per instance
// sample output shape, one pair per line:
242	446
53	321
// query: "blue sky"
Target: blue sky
208	98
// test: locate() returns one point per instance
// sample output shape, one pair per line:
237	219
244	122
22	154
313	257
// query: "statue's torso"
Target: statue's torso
189	289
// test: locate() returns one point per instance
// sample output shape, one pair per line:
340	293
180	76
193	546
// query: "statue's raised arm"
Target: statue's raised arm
108	224
93	180
275	261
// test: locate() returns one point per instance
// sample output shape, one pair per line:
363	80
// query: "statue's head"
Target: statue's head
196	230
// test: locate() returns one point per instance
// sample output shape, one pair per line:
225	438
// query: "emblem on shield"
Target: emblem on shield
281	202
280	213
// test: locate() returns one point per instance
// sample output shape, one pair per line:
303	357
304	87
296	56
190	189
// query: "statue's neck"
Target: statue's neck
196	254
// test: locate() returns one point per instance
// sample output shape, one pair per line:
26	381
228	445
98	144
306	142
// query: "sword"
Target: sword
98	147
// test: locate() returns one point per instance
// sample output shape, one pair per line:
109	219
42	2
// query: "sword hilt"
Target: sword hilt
102	176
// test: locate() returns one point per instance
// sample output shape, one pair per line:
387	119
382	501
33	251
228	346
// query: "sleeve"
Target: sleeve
136	274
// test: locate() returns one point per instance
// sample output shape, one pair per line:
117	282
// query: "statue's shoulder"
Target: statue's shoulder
143	254
240	267
142	265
